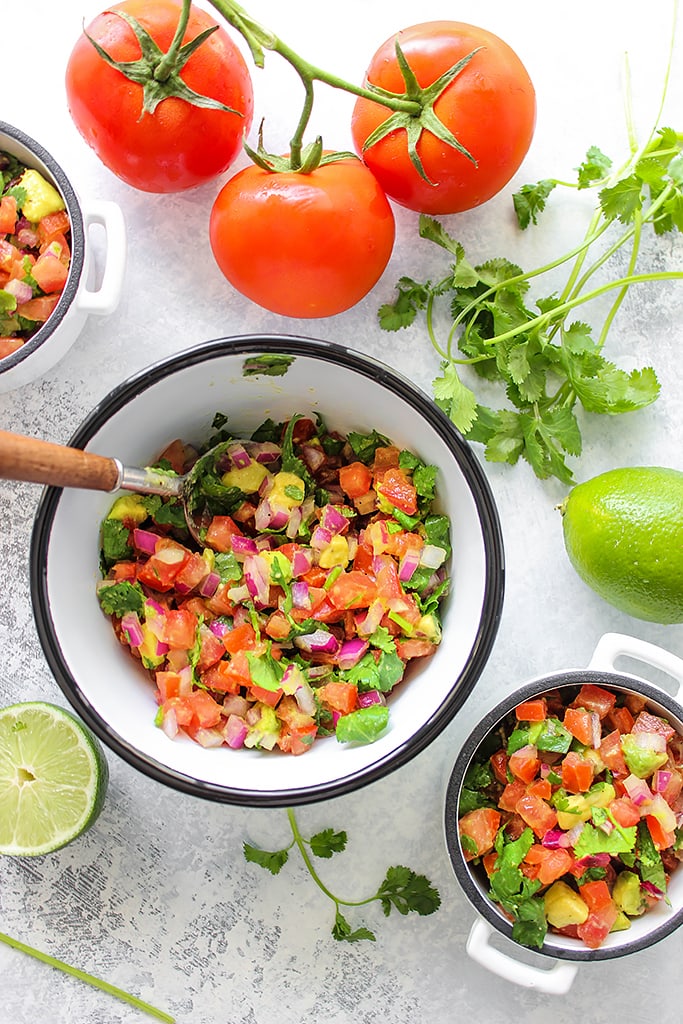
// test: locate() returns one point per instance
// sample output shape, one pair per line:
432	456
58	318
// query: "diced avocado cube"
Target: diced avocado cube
564	906
641	761
627	894
622	923
42	198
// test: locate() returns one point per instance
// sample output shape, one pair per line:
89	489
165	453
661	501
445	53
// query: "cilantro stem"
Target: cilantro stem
301	844
89	979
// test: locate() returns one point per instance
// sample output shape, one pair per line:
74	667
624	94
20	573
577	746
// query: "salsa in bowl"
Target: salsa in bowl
277	379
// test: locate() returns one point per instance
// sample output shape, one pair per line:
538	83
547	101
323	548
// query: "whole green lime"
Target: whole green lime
623	532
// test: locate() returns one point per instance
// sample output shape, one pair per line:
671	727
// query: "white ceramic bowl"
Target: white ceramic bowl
652	926
82	295
178	398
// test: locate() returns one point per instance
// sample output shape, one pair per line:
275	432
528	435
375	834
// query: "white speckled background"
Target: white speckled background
157	897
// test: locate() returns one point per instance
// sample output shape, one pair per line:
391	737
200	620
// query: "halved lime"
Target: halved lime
53	778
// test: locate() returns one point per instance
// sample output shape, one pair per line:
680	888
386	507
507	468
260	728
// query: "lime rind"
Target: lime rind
53	778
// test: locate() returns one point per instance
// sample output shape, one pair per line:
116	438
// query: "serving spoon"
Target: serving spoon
32	460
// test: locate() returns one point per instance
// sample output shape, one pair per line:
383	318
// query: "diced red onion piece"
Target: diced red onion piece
294	524
302	561
233	704
235	731
320	538
367	625
219	628
301	597
313	455
318	641
238	595
407	565
145	540
21	291
350	652
169	722
432	556
638	790
265	451
170	555
263	515
555	838
209	737
279	518
257	578
209	586
130	624
153	607
370	698
650	741
652	889
660	780
332	520
596	728
242	545
239	455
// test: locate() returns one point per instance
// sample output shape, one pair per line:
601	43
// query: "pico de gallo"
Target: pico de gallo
576	814
35	251
316	583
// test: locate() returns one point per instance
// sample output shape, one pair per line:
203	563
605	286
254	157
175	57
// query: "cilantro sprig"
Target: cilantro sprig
401	889
549	364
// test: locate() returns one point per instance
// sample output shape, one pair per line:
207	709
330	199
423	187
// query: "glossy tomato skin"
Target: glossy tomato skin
490	108
180	145
303	245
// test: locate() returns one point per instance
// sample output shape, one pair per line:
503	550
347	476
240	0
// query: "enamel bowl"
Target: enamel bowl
179	398
86	291
554	970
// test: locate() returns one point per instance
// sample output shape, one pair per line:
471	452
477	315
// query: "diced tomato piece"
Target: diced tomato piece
179	629
38	310
507	801
8	215
53	224
362	560
480	826
660	836
540	787
161	568
611	753
220	533
539	815
489	862
124	571
624	811
50	273
182	707
386	457
192	573
646	722
355	479
595	895
352	589
398	490
221	676
414	648
595	698
206	711
342	697
237	674
9	345
579	723
9	255
577	773
220	602
619	718
598	925
278	626
168	684
270	697
532	710
499	762
240	638
211	648
552	864
524	763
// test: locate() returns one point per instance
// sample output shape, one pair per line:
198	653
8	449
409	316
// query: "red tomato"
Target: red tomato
303	245
220	533
490	108
539	815
480	826
355	479
524	763
352	589
532	710
180	145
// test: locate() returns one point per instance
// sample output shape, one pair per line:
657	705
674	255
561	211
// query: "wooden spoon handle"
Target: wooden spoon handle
41	462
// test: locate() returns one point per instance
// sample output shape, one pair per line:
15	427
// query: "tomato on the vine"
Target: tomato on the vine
180	144
489	107
303	244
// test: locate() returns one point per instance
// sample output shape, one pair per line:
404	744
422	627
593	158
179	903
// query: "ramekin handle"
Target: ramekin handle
612	645
555	982
105	298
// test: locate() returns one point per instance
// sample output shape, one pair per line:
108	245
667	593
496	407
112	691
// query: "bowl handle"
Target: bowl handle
105	299
555	982
611	645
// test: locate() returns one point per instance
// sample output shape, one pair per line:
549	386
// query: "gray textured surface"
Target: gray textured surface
157	897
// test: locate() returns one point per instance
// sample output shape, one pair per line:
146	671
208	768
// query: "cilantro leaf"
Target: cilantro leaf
119	598
594	168
595	840
115	540
649	860
455	398
406	891
342	931
268	364
273	861
327	842
364	446
530	201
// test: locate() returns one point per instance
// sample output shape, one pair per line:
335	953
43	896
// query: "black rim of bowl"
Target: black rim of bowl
63	185
494	584
463	872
